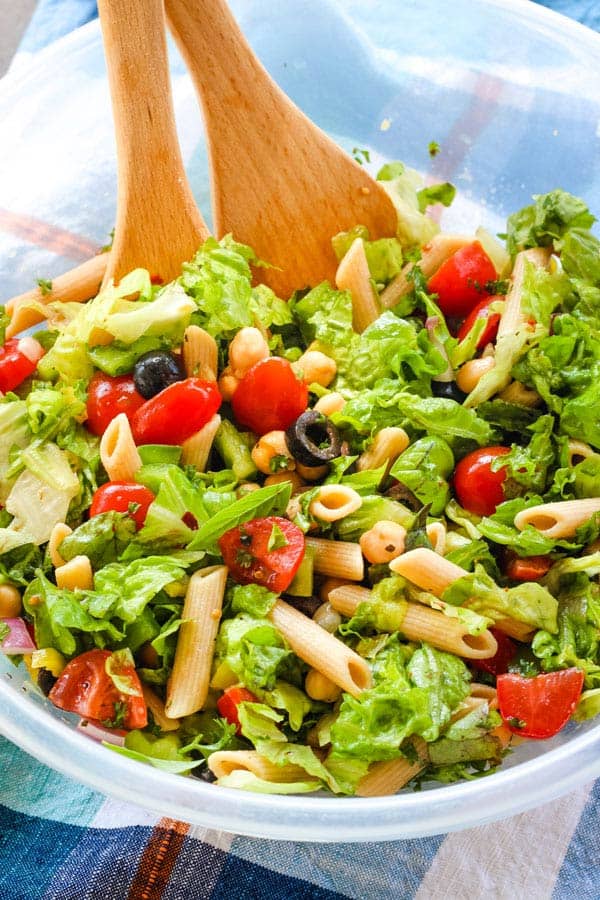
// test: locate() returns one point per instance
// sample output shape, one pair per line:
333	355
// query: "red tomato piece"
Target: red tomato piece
264	551
479	489
505	653
538	707
482	311
123	496
228	702
107	397
86	688
269	397
178	412
18	360
527	568
460	282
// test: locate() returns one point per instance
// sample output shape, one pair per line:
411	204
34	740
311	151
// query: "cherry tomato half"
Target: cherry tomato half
478	489
498	663
228	703
176	413
18	360
482	311
527	568
538	707
264	551
107	397
87	689
460	282
123	496
269	397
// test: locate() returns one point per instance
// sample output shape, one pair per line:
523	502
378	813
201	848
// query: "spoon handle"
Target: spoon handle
158	224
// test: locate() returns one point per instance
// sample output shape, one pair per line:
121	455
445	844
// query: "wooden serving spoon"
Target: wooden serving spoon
278	182
158	223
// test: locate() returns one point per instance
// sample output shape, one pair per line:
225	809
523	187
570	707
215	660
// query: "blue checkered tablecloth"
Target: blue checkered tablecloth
62	841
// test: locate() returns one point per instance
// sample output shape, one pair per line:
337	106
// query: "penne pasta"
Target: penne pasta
434	254
200	353
224	762
421	623
334	502
558	520
157	708
427	569
386	446
338	559
385	778
436	534
187	687
520	631
74	286
60	531
512	315
118	452
196	450
353	275
578	451
76	574
321	650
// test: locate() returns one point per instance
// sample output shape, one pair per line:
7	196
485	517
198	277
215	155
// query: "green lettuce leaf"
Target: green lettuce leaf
546	221
424	468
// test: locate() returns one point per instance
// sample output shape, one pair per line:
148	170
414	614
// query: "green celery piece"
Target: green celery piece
234	451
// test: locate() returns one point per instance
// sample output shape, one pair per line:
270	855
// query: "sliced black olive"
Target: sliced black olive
46	681
312	439
154	371
306	605
447	389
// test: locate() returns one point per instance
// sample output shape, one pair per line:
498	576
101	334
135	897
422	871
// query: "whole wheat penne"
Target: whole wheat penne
75	574
427	569
558	520
118	451
196	450
435	253
520	631
321	650
385	778
339	559
421	623
224	762
60	531
512	314
157	708
353	275
74	286
187	688
200	353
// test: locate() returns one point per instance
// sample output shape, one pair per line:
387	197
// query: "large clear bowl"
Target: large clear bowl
511	92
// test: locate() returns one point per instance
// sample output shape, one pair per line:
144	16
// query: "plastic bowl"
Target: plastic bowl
509	91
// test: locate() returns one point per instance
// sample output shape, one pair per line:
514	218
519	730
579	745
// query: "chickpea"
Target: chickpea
10	602
330	403
311	473
246	488
271	445
315	367
228	384
469	374
383	542
280	477
246	349
319	687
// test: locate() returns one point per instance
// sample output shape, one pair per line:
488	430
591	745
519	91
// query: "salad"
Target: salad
345	542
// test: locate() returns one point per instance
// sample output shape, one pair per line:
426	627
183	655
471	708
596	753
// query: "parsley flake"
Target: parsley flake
45	286
277	539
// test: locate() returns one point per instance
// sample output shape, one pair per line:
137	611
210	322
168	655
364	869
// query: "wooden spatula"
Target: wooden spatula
279	183
158	223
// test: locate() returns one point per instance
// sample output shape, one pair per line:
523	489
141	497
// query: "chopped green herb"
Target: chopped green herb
434	148
277	539
45	286
361	156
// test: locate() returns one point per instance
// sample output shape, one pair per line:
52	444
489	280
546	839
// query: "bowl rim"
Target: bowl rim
309	818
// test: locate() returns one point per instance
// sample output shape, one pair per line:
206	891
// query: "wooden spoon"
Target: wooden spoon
278	182
158	224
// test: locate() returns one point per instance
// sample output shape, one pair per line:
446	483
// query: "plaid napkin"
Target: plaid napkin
62	841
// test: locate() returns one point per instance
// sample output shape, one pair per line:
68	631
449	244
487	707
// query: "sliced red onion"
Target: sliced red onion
100	734
18	640
430	324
